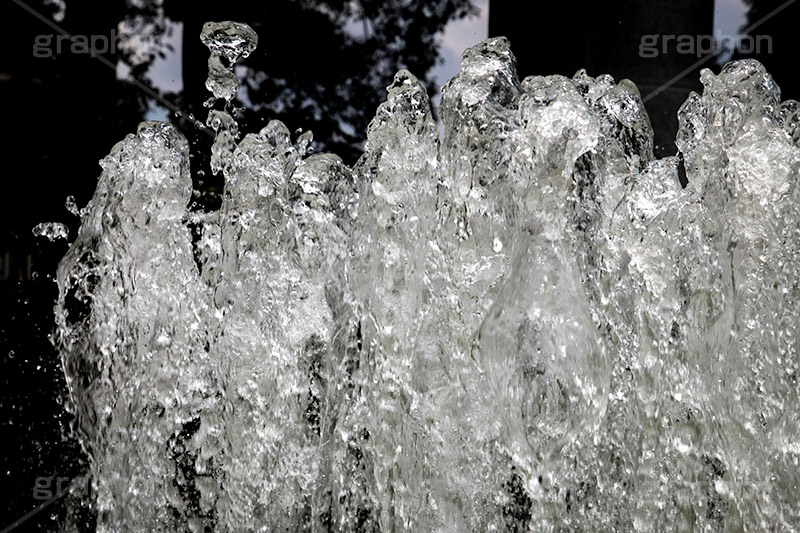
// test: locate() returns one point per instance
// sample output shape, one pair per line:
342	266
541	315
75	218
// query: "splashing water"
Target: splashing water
528	325
51	230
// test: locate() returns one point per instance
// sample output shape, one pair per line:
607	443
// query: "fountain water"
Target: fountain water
528	324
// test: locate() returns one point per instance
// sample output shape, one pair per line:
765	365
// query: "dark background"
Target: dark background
62	114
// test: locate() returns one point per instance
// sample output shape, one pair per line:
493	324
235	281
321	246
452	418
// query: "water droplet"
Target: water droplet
52	231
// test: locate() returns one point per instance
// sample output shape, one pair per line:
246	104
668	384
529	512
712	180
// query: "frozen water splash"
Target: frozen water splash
529	325
228	42
51	230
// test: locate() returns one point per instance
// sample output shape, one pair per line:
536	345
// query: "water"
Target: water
528	324
51	230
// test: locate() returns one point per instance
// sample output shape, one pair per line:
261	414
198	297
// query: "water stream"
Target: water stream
527	324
